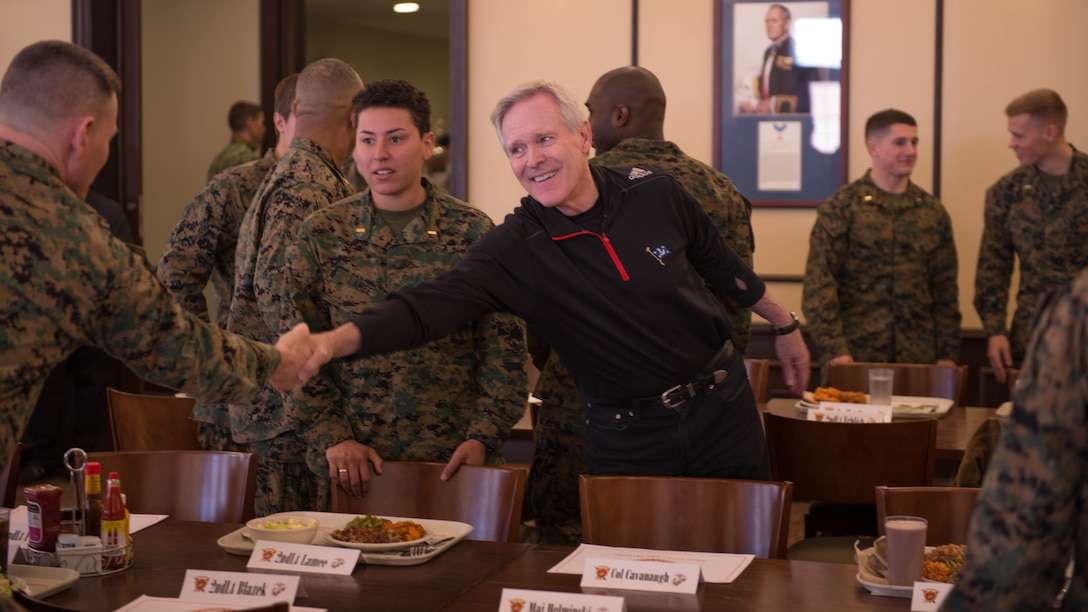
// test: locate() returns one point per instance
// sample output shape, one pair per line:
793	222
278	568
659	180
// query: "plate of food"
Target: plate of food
940	564
812	399
373	533
903	406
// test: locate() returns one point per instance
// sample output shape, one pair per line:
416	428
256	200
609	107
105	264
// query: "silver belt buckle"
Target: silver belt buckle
668	403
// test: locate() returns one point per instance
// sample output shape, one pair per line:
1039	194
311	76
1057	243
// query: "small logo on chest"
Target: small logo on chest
659	253
637	173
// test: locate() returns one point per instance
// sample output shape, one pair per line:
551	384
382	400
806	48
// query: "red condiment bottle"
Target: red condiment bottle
92	507
43	516
113	534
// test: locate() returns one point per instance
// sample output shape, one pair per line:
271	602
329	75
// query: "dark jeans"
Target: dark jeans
717	434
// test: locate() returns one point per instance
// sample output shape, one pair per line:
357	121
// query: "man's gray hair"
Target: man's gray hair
570	111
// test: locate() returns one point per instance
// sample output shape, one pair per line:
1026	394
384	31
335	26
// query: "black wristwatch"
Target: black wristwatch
789	329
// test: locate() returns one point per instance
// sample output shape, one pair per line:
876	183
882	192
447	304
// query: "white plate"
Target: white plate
905	407
376	546
884	589
42	581
235	544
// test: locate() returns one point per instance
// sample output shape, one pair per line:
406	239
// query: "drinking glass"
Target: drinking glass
880	386
905	538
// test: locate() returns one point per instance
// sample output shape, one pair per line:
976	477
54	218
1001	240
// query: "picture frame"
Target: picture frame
780	99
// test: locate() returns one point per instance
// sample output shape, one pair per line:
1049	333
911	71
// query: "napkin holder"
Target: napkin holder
98	560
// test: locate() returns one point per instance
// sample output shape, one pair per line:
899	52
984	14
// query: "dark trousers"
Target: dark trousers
718	434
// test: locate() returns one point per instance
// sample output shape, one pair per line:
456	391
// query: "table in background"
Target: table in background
953	431
469	576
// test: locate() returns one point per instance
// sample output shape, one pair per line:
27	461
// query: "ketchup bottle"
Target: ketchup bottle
113	524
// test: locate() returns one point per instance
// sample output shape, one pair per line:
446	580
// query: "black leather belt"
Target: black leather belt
677	396
680	394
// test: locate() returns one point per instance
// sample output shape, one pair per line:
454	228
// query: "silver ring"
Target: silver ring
343	470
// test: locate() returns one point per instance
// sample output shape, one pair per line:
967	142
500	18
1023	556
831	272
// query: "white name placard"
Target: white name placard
641	575
522	600
927	596
238	587
285	557
841	412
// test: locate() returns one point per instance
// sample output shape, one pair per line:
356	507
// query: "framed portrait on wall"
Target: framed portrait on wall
780	99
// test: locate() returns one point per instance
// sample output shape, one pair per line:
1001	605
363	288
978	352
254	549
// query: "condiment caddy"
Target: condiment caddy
92	538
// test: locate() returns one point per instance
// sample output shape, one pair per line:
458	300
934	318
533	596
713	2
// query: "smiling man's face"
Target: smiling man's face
548	159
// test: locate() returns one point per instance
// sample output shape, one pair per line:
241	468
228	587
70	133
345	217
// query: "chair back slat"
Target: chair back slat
696	514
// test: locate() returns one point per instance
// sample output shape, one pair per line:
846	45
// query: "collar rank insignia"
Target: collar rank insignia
637	173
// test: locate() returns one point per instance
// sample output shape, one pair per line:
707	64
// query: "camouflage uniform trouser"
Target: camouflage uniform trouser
553	478
284	483
216	437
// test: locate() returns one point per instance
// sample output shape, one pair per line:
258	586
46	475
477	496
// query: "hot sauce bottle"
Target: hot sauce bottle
114	536
92	507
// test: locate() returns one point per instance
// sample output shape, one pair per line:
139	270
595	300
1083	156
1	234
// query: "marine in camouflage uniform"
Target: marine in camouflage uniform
66	282
881	277
1046	227
1030	518
557	435
238	152
413	405
202	247
305	179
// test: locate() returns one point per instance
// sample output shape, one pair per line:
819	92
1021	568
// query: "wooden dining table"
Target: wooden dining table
954	430
468	577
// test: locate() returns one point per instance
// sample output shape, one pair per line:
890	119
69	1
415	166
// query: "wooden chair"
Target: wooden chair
697	514
9	478
151	422
948	510
910	378
837	466
488	498
758	375
208	486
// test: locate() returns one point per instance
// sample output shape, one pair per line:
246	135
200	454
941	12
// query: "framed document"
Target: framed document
780	99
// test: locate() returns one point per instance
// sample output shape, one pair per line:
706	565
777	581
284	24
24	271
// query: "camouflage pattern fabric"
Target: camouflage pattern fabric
203	243
283	482
1046	231
237	153
304	180
1030	518
557	448
202	247
413	405
66	282
216	436
881	277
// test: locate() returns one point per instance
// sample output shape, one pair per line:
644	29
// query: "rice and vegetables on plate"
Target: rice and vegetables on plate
372	529
943	563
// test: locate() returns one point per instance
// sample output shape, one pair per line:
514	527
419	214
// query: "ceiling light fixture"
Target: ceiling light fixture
405	7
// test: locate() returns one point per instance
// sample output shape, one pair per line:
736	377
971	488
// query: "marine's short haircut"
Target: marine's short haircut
1043	104
395	94
326	86
570	111
285	95
54	80
241	112
880	122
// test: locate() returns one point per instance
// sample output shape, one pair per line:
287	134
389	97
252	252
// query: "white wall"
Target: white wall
199	57
23	22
